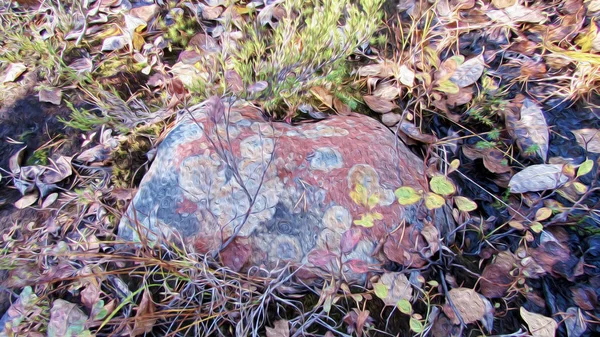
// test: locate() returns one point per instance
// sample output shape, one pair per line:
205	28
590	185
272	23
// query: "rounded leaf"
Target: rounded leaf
585	168
434	201
465	204
442	185
381	290
407	195
543	214
404	306
536	227
415	325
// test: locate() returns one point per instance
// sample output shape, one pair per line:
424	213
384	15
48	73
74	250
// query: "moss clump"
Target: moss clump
130	157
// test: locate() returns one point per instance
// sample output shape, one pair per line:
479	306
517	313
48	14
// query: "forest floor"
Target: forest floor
500	95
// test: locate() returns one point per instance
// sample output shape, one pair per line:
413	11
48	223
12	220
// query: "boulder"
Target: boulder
258	193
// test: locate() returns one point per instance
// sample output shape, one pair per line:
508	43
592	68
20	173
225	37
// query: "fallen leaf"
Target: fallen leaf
496	277
58	171
13	71
234	81
575	322
50	199
589	139
321	257
537	178
415	133
584	297
463	96
145	13
519	13
397	288
66	320
82	65
27	200
114	43
532	129
258	87
280	329
468	303
406	76
378	104
500	4
144	319
53	95
387	91
391	119
204	42
468	72
383	69
493	159
539	325
211	13
350	239
14	162
357	266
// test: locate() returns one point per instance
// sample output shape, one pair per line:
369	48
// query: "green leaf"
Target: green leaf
404	306
448	87
381	290
416	325
579	187
407	195
434	201
465	204
536	227
442	185
585	168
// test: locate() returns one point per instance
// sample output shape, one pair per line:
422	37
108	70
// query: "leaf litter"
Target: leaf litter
459	80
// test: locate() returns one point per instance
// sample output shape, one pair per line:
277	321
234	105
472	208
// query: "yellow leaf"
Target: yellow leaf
543	214
407	195
448	87
434	201
138	41
579	187
373	200
586	40
465	204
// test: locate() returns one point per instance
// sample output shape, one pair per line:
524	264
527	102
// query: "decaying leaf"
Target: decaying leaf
539	325
27	200
500	4
470	305
66	320
393	287
496	277
415	133
406	76
13	71
575	322
113	43
383	69
280	329
520	13
589	139
379	104
537	178
468	72
532	129
51	95
144	319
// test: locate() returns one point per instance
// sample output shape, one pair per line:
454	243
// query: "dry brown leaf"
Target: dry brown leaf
341	107
53	95
211	13
531	129
519	13
500	4
66	320
379	104
413	132
280	329
383	69
398	287
27	200
463	96
468	303
537	178
387	91
539	325
468	72
496	277
144	317
589	139
406	76
13	71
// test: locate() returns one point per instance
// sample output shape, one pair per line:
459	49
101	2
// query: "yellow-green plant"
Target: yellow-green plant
312	40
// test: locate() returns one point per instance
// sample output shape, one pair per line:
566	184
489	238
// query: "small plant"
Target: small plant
82	119
304	49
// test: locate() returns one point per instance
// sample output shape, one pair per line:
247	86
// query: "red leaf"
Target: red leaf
350	239
358	266
321	257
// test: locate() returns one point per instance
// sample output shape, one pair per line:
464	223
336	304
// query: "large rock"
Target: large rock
264	193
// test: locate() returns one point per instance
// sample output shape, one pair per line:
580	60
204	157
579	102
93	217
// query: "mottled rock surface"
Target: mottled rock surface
283	193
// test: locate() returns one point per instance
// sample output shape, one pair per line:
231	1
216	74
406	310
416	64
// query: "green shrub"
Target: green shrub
306	48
